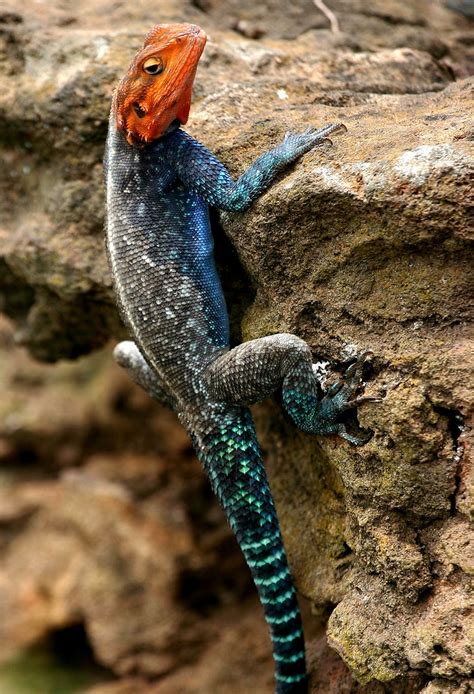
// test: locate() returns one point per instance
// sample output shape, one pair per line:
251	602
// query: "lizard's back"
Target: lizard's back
161	253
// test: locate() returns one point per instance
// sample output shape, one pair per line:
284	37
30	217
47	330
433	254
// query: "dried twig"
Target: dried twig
333	21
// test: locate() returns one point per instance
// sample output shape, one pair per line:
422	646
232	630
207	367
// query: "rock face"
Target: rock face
363	245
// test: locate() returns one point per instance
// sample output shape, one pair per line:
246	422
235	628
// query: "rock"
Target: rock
363	245
130	561
128	544
438	686
301	267
464	7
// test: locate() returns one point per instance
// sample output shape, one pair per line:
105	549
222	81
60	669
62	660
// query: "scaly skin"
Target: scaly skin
160	182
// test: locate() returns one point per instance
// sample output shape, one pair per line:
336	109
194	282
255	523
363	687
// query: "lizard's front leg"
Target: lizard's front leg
203	173
254	370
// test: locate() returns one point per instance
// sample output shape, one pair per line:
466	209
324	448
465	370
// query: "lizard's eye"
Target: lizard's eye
153	66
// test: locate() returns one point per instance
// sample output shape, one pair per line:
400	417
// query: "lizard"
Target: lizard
160	183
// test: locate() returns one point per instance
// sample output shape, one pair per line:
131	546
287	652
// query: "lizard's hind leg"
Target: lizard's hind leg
128	355
254	370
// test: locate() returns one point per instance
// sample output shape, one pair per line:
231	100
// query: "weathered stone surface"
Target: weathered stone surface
106	521
444	687
364	245
64	584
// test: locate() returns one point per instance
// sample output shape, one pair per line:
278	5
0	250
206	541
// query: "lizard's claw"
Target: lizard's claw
356	402
325	130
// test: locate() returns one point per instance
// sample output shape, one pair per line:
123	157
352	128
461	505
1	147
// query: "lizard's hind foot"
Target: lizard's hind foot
341	397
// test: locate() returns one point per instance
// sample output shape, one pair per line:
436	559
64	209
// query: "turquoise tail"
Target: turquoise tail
227	446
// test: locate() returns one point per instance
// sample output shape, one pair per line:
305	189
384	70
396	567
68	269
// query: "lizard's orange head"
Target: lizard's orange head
156	91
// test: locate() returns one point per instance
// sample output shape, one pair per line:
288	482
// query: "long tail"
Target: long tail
227	446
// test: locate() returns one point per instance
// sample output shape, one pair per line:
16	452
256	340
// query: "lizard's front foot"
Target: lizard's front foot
296	144
342	396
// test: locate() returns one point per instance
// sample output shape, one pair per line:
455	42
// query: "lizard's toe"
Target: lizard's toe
356	402
355	440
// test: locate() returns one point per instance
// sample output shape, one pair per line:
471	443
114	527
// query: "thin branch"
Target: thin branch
329	14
